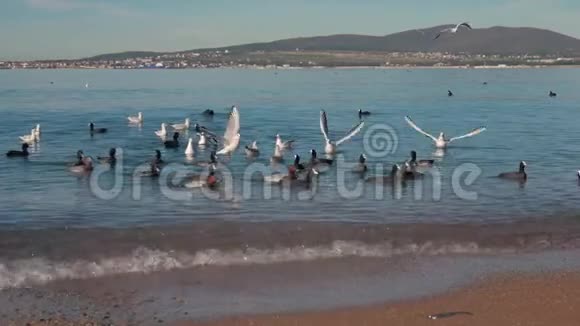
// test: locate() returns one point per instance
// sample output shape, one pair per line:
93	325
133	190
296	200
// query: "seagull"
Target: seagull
232	133
252	150
204	133
37	130
136	119
181	126
330	147
29	139
278	156
441	141
189	150
453	30
162	132
282	145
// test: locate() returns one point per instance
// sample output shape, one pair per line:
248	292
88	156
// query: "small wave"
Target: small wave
24	272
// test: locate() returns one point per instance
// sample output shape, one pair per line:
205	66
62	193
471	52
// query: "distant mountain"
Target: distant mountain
494	40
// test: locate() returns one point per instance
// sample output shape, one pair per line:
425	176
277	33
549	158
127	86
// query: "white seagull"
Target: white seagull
189	150
283	145
162	132
232	133
330	147
181	126
441	141
136	119
453	30
252	150
37	131
29	139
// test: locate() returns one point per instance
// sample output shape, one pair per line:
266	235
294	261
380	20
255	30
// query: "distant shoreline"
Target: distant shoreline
315	68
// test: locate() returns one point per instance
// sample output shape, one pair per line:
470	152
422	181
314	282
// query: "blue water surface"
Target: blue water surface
523	124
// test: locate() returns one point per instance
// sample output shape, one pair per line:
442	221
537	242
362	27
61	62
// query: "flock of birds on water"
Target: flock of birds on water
297	172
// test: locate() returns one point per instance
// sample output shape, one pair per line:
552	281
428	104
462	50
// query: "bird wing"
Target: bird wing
287	144
231	146
351	133
324	125
472	133
438	36
464	24
414	126
233	126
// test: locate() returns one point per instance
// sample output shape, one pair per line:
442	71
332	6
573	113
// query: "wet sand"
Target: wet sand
549	299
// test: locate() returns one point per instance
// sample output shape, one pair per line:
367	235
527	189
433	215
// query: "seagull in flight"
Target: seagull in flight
441	141
330	147
453	30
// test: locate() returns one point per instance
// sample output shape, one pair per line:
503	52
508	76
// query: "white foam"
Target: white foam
25	272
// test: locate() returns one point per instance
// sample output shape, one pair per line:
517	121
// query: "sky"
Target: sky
50	29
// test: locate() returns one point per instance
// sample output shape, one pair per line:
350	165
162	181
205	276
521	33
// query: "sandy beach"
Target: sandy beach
551	299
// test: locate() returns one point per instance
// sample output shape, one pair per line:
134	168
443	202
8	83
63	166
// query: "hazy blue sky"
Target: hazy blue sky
77	28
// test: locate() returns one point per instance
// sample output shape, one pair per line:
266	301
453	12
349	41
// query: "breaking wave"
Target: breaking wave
24	272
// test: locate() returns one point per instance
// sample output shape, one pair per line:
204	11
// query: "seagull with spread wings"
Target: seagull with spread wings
441	141
231	139
331	145
453	30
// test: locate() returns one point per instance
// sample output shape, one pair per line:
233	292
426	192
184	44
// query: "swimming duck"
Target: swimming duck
31	138
201	130
189	150
96	130
521	175
86	166
362	113
411	173
395	176
361	166
212	163
199	181
208	113
252	149
299	166
552	94
154	170
138	119
441	141
449	93
21	153
162	132
419	163
80	157
330	147
174	143
314	160
158	160
111	159
181	126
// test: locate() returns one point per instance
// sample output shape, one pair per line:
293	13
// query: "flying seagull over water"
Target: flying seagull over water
452	30
331	145
441	141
